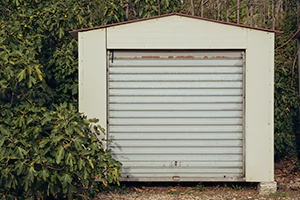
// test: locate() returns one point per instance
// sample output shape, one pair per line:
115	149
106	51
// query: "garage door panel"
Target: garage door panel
176	77
176	113
177	107
171	162
151	62
167	151
175	121
187	170
182	128
175	91
175	136
179	85
175	143
176	70
139	158
175	99
182	177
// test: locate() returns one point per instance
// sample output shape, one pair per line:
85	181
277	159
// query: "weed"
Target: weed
199	187
188	192
253	187
172	191
237	187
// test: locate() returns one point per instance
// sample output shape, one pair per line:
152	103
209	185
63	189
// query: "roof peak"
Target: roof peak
75	32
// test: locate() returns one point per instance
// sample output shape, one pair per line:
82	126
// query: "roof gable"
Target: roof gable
75	32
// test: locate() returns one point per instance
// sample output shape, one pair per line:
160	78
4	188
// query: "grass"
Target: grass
278	194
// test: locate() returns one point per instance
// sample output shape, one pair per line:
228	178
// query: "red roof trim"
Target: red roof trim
75	32
296	35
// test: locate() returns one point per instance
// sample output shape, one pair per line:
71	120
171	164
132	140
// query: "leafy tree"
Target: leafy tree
286	91
150	8
47	149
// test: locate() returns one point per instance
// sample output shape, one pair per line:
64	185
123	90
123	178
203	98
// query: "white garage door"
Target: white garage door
177	116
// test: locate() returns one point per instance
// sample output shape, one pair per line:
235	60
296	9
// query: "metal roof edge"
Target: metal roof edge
74	33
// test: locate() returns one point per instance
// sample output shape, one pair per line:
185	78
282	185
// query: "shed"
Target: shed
182	98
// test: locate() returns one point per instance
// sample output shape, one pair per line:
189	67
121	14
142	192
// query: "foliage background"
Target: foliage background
38	63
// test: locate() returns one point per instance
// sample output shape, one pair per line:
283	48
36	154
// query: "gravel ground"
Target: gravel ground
287	176
189	193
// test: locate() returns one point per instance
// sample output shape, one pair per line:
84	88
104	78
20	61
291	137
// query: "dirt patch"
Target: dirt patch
287	176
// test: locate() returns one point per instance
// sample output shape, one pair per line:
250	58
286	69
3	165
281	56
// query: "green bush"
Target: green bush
52	153
286	95
47	149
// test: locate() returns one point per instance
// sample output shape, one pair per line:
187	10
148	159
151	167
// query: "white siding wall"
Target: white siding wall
176	32
92	74
259	106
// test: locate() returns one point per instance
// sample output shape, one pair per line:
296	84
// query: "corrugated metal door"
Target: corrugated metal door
177	116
